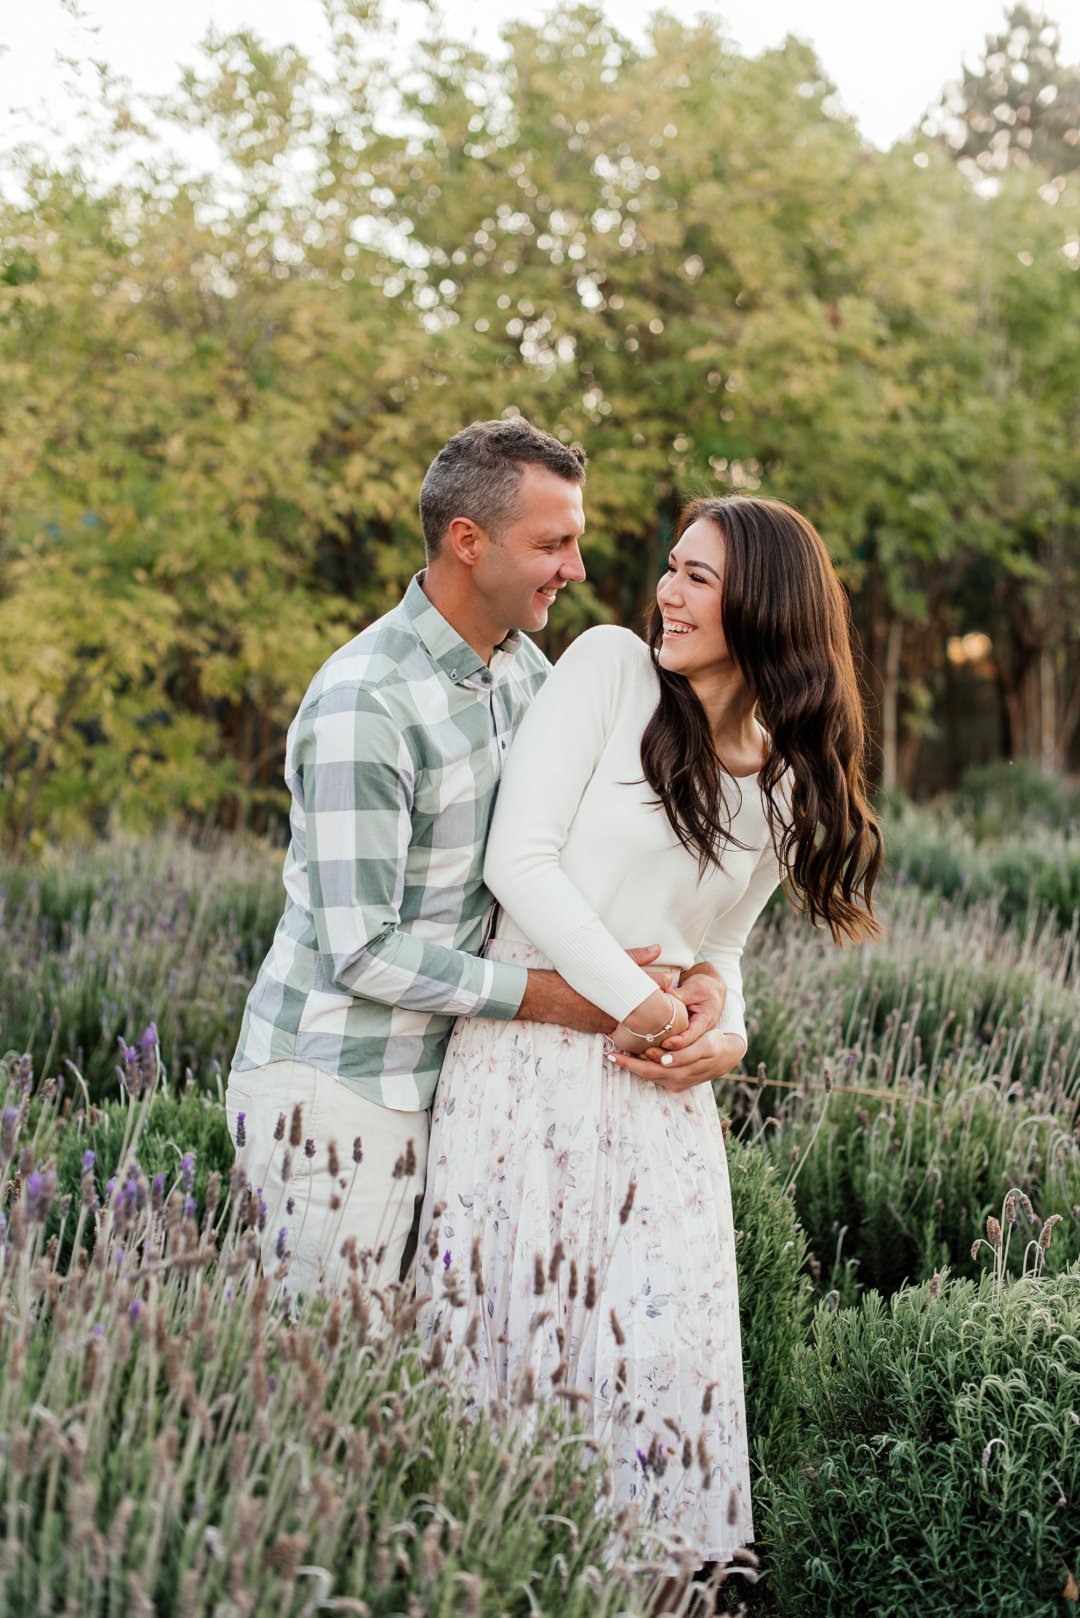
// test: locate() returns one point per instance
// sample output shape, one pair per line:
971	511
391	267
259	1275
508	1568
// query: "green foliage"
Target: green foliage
944	971
172	1444
940	1456
221	390
1009	837
94	948
774	1301
174	1126
1012	798
895	1179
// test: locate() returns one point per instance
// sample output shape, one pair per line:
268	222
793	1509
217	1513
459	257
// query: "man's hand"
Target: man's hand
549	998
710	1057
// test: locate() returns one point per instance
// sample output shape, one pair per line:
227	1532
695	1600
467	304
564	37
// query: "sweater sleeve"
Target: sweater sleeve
552	761
723	943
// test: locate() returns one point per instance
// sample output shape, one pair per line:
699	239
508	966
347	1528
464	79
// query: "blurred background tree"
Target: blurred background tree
220	390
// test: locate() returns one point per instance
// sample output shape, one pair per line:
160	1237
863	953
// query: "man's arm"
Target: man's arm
357	780
549	998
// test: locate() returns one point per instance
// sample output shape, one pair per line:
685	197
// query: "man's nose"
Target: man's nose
573	568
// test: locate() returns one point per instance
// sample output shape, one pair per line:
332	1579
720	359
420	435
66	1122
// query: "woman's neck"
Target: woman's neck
729	706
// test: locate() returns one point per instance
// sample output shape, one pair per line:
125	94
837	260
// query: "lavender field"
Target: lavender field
905	1159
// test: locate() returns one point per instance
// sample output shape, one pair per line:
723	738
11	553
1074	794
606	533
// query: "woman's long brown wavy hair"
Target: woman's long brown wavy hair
786	621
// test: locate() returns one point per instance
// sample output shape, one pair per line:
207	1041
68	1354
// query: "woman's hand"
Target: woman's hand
704	994
710	1057
656	1019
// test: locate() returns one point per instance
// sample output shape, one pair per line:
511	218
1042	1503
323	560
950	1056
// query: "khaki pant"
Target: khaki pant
310	1212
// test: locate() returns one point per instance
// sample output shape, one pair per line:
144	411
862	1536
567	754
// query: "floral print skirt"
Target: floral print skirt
577	1234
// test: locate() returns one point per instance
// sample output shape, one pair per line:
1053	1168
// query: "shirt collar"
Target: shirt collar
453	655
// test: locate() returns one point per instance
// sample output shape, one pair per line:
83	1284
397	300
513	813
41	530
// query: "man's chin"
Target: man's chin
536	617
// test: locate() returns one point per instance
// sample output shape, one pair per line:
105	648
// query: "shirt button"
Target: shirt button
485	678
453	674
503	746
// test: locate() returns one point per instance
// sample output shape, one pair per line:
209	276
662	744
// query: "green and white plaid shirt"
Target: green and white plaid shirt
393	762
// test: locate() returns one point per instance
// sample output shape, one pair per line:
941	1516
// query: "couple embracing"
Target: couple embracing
630	810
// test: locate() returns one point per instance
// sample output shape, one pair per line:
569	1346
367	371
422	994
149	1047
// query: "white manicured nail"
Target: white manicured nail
666	1061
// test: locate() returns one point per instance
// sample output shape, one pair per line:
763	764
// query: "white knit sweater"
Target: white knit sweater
582	858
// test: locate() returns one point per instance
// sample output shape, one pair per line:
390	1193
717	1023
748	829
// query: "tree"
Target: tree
1017	116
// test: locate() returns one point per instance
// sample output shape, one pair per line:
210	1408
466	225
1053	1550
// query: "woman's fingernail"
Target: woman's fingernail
666	1061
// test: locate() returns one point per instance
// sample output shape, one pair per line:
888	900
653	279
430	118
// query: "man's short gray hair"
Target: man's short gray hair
477	474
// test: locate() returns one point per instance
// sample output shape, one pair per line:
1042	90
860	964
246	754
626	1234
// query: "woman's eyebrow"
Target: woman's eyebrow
703	566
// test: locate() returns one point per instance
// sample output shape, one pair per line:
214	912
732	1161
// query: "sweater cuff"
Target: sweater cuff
733	1017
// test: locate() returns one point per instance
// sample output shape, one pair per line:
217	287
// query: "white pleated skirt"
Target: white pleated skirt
577	1234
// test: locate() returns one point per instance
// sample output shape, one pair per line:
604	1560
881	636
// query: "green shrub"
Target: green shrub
92	949
1018	863
1016	796
943	972
940	1466
775	1299
174	1125
896	1167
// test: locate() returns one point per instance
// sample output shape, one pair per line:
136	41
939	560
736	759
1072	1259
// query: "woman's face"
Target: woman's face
689	595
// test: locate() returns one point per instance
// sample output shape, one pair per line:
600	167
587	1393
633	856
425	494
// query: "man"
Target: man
393	762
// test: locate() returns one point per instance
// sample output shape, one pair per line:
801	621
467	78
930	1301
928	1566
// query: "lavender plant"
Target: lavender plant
175	1443
93	948
941	1454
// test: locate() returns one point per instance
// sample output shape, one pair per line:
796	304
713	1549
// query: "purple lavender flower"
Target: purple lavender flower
241	1131
189	1207
7	1130
309	1147
187	1170
290	1206
136	1309
129	1054
110	1186
643	1460
148	1039
446	1259
279	1245
118	1254
39	1194
262	1209
89	1159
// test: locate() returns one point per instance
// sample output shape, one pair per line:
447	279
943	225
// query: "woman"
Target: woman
579	1211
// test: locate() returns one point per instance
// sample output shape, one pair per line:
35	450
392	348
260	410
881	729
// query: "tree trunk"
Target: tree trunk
890	707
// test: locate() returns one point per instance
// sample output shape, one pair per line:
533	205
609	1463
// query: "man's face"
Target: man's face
521	572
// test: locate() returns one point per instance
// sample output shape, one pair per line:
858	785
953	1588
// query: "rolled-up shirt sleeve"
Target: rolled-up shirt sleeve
359	781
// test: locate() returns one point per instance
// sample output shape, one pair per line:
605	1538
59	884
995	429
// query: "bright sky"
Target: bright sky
889	58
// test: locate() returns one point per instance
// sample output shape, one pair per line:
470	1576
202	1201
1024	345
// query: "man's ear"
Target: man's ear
465	541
